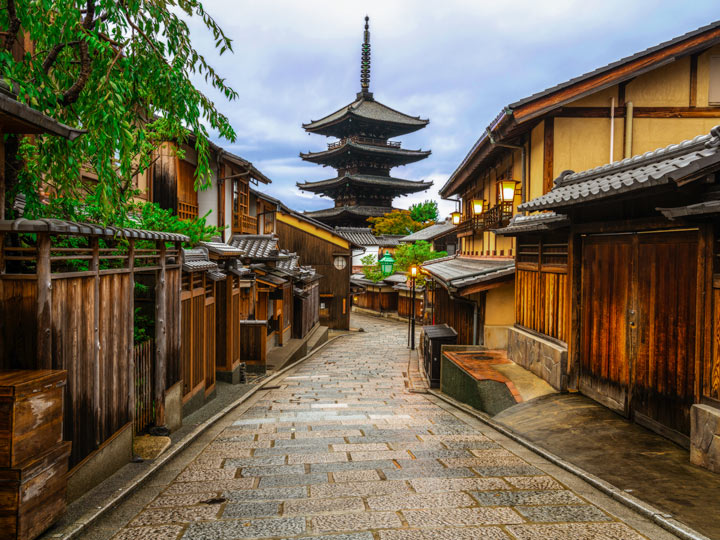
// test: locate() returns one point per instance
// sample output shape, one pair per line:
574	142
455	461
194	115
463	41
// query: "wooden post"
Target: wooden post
132	389
572	317
44	303
2	253
97	397
160	337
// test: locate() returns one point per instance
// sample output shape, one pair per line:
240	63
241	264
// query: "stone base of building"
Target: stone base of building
173	406
197	401
544	358
705	437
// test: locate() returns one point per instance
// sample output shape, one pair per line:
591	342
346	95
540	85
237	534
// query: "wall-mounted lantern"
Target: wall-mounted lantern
456	216
478	206
507	190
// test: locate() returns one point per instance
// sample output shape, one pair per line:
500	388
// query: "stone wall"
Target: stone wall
705	437
542	357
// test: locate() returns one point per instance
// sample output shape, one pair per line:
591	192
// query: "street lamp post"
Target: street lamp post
411	320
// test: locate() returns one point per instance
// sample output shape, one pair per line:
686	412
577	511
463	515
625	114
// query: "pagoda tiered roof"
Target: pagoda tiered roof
333	185
348	150
365	115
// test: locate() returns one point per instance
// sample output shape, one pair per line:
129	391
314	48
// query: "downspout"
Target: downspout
628	129
475	324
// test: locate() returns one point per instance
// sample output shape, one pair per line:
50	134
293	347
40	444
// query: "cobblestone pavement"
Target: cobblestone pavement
341	450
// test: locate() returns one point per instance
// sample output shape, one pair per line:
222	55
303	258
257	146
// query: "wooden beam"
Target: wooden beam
573	315
131	325
621	94
160	336
548	154
638	112
44	303
693	80
605	79
94	242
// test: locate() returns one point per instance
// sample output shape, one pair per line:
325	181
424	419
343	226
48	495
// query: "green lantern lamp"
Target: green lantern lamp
386	264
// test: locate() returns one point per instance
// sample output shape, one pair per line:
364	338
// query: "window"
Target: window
714	89
240	203
340	262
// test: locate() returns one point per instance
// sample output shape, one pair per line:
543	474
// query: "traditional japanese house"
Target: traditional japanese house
198	318
656	97
320	247
306	294
379	297
638	306
235	302
441	236
363	155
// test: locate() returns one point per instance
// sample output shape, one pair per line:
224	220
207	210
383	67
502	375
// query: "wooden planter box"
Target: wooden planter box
33	497
31	414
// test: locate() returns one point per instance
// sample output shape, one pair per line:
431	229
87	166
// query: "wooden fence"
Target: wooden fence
253	344
144	402
71	303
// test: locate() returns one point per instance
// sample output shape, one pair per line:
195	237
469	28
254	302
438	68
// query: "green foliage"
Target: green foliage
121	71
398	222
424	212
407	255
371	268
153	218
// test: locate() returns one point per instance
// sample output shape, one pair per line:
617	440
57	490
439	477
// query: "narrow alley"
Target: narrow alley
342	450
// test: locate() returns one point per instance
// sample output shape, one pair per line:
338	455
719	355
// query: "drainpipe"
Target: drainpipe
523	157
628	129
612	128
475	325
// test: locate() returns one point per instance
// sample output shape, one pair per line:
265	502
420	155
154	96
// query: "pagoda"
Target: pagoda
363	155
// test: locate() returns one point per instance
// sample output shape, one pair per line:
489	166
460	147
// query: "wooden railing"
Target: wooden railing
249	225
364	140
144	404
493	218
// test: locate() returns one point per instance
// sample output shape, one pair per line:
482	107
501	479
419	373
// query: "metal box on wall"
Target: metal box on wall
434	337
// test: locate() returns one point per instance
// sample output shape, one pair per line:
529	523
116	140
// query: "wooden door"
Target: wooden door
606	297
664	375
638	327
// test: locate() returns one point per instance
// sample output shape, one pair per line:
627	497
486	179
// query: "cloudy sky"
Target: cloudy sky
457	62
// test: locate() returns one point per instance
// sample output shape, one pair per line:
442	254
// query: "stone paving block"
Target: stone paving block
466	533
575	531
321	506
425	485
206	475
534	482
293	480
490	461
370	447
278	494
419	472
388	454
530	498
355	476
358	489
461	517
509	470
327	457
563	513
255	461
272	470
189	499
328	433
351	536
408	501
275	436
181	488
160	532
320	443
351	466
356	522
249	510
185	514
259	528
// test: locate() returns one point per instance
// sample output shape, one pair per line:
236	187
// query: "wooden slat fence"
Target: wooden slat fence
144	403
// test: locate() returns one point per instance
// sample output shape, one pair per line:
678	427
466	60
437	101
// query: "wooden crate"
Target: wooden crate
33	497
31	414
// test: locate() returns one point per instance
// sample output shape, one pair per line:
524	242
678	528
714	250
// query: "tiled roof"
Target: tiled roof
289	262
429	233
455	272
366	211
370	110
216	275
403	156
389	240
196	260
699	209
362	236
31	120
409	186
256	246
58	226
534	222
651	169
216	247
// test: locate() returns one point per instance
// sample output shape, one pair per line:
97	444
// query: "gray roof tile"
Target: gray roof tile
430	233
534	222
256	246
455	272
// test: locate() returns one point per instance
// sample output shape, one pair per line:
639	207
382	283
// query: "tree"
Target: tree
398	222
407	255
371	268
120	69
425	212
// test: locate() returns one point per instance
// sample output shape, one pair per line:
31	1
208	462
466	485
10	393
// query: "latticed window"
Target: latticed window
240	204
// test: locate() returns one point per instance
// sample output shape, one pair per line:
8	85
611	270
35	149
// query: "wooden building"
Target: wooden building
320	247
441	236
651	99
628	261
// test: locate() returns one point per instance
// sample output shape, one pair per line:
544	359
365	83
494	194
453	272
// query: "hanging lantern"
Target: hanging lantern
478	206
413	271
506	189
456	216
387	263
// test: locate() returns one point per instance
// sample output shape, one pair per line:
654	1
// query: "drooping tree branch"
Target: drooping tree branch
13	26
72	94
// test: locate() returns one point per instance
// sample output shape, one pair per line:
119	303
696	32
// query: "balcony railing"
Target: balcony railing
493	218
249	225
365	140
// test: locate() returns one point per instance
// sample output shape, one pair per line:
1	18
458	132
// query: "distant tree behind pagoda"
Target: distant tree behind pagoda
405	222
121	71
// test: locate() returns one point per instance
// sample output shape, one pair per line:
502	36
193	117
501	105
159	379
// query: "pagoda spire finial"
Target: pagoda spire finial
365	62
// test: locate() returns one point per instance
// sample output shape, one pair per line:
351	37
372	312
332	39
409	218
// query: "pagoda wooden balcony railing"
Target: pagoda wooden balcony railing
187	210
365	140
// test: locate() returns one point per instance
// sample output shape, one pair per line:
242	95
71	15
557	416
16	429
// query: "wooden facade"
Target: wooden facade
405	303
306	311
381	298
235	303
461	315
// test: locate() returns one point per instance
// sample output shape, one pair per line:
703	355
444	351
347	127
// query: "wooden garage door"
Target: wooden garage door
638	326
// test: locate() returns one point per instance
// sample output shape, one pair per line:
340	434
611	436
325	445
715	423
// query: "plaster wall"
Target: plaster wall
584	143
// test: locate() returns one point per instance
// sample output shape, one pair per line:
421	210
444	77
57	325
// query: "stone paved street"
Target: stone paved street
341	450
